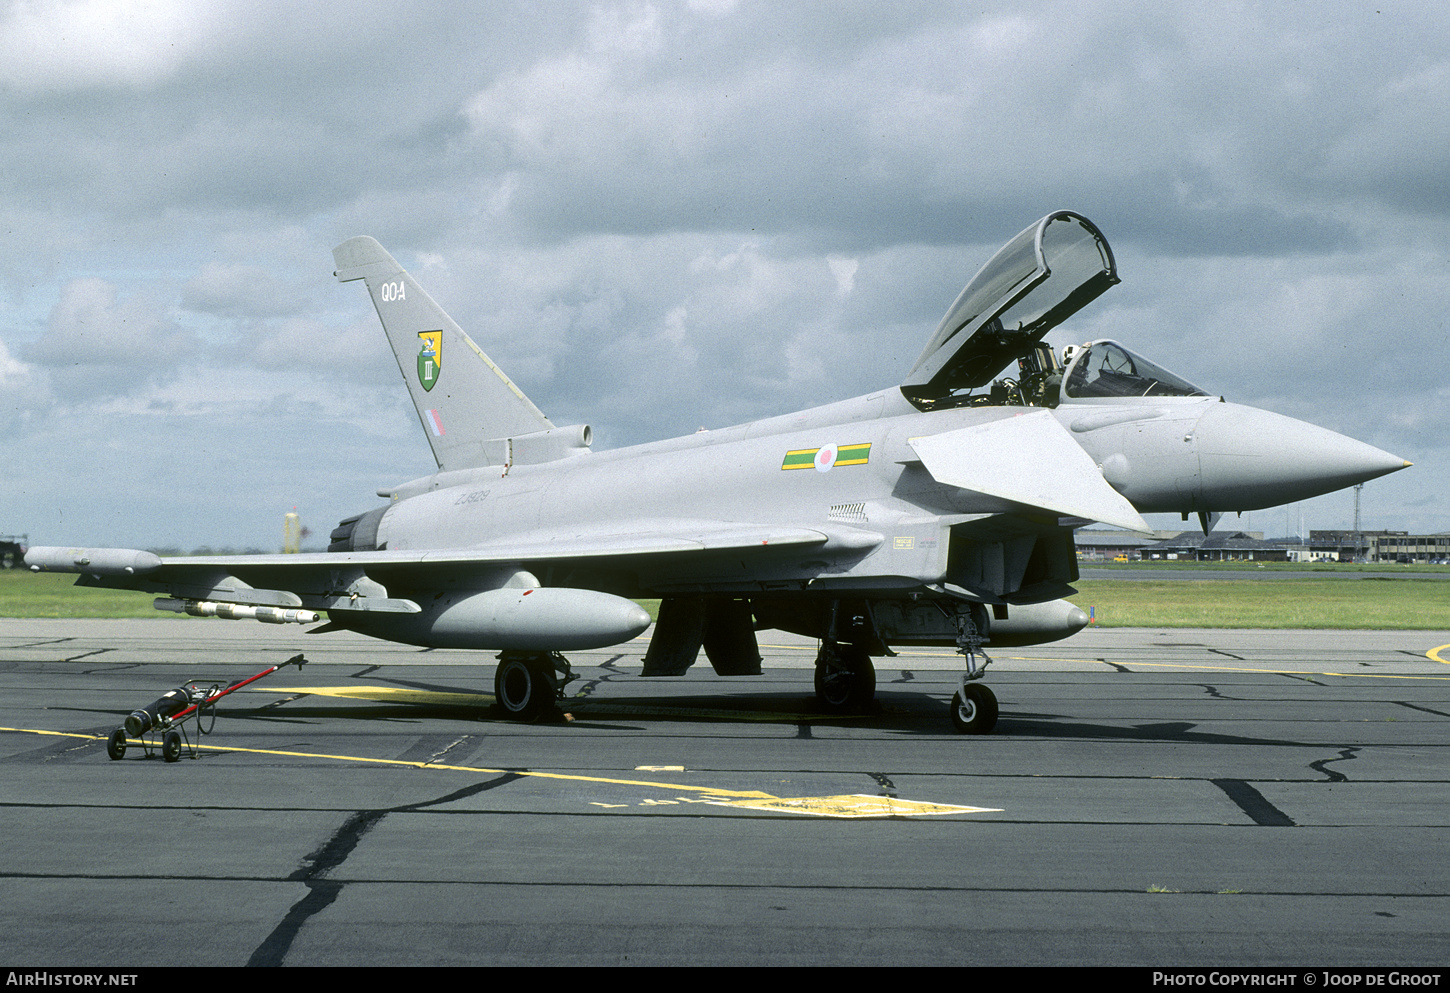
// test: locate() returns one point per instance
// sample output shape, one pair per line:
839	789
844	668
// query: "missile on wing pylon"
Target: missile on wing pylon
237	611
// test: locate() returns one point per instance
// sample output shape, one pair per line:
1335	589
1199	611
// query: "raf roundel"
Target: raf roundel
825	458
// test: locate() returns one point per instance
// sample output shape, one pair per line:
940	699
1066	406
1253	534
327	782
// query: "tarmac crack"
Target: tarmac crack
113	667
1253	803
282	702
1423	710
1345	754
449	747
317	866
613	672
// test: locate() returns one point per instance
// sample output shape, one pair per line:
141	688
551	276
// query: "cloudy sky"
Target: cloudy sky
659	216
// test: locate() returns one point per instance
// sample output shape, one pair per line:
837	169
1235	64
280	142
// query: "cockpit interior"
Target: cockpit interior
1095	370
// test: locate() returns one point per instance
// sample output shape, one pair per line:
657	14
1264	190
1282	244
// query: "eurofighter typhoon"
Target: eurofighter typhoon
939	511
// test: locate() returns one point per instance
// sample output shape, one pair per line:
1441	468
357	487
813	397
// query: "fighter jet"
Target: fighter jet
938	511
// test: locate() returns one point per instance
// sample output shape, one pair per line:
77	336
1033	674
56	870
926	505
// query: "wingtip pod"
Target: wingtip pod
94	561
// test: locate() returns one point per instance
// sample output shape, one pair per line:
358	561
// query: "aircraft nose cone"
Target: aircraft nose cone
1252	458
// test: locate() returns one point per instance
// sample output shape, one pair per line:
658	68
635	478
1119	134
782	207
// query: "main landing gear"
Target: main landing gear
845	678
529	685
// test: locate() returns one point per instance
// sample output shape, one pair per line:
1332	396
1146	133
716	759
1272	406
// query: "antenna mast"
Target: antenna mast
1359	554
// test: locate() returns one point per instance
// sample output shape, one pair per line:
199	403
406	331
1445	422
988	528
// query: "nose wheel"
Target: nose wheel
974	709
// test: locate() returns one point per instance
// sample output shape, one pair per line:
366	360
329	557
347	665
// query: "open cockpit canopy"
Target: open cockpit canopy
1034	282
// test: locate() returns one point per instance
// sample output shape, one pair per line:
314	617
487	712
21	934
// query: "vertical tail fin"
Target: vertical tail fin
463	399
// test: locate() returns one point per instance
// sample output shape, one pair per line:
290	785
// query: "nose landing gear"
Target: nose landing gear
974	706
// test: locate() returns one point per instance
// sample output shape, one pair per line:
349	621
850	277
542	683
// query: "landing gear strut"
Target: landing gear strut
527	685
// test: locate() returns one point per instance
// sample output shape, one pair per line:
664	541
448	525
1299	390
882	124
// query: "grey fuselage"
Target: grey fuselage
887	519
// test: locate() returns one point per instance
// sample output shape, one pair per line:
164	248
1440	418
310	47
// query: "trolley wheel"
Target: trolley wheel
116	744
171	746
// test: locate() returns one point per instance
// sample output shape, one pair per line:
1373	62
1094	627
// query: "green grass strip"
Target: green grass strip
1368	604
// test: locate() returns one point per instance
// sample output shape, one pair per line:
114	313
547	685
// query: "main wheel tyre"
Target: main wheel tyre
848	685
525	688
974	710
116	744
171	746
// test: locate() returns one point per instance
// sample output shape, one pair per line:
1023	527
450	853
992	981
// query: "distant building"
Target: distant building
12	550
1229	546
1383	546
1101	545
1343	546
1405	547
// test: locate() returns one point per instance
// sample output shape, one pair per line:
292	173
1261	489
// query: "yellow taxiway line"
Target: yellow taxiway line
849	806
750	794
